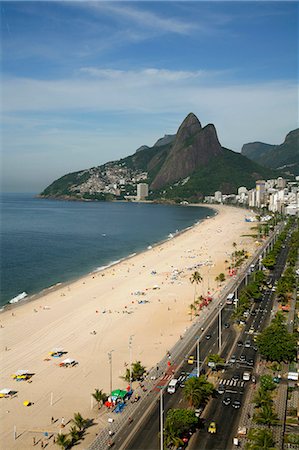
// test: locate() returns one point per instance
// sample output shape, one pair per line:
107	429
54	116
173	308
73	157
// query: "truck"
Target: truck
172	387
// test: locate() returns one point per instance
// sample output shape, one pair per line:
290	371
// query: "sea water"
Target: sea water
46	242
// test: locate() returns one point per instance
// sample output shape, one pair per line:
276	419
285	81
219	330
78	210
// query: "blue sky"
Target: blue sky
84	83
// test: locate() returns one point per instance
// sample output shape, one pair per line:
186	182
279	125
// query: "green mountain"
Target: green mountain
185	166
284	156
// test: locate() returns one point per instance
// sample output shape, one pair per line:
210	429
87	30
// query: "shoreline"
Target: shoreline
40	294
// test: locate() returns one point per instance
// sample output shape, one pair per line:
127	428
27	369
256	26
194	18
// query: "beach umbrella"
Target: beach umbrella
68	361
21	372
26	403
5	391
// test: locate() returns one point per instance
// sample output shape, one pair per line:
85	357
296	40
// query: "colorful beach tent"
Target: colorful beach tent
118	393
68	361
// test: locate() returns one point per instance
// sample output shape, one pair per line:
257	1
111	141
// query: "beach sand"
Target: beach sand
104	302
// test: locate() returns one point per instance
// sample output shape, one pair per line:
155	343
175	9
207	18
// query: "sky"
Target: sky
83	83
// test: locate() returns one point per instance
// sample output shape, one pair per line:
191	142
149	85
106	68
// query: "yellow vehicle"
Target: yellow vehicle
191	359
212	428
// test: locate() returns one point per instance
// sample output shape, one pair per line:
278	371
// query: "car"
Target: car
242	358
239	343
236	404
242	322
255	348
208	336
247	344
226	401
250	362
253	379
221	389
212	428
273	289
253	313
232	359
236	376
226	325
191	359
251	330
198	412
277	379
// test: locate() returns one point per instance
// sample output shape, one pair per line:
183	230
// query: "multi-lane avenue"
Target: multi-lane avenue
239	350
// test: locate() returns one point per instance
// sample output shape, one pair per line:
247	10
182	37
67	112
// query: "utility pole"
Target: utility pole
130	364
219	326
161	421
110	362
198	358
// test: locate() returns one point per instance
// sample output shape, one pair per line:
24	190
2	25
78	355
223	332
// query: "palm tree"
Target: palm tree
192	308
137	372
261	439
79	422
262	397
215	358
99	396
266	416
63	441
197	390
74	434
195	278
171	438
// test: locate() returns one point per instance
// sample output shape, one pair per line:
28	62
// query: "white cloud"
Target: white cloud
141	17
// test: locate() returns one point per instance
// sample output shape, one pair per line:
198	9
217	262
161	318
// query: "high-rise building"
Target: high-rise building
218	196
281	183
142	191
260	193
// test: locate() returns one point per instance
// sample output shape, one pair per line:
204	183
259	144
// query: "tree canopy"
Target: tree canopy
276	344
197	390
178	422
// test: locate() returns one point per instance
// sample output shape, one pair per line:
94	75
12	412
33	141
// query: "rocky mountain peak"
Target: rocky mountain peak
190	126
193	147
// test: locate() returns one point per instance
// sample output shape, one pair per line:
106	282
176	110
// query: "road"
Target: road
244	352
148	438
227	417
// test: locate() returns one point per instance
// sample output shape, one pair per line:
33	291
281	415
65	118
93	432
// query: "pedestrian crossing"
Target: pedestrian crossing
168	377
231	382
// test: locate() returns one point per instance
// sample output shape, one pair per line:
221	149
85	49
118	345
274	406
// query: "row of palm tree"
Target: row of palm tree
66	441
260	439
100	397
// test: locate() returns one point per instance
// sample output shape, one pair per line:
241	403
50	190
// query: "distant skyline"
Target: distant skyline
84	83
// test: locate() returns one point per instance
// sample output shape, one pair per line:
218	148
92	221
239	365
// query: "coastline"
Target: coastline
108	302
40	294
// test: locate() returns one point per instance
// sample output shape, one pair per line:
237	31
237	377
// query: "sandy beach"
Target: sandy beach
106	302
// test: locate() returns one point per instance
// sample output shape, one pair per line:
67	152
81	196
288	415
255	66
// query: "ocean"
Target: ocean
46	242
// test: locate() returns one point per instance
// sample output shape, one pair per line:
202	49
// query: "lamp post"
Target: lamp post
110	362
219	329
130	364
197	345
161	421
